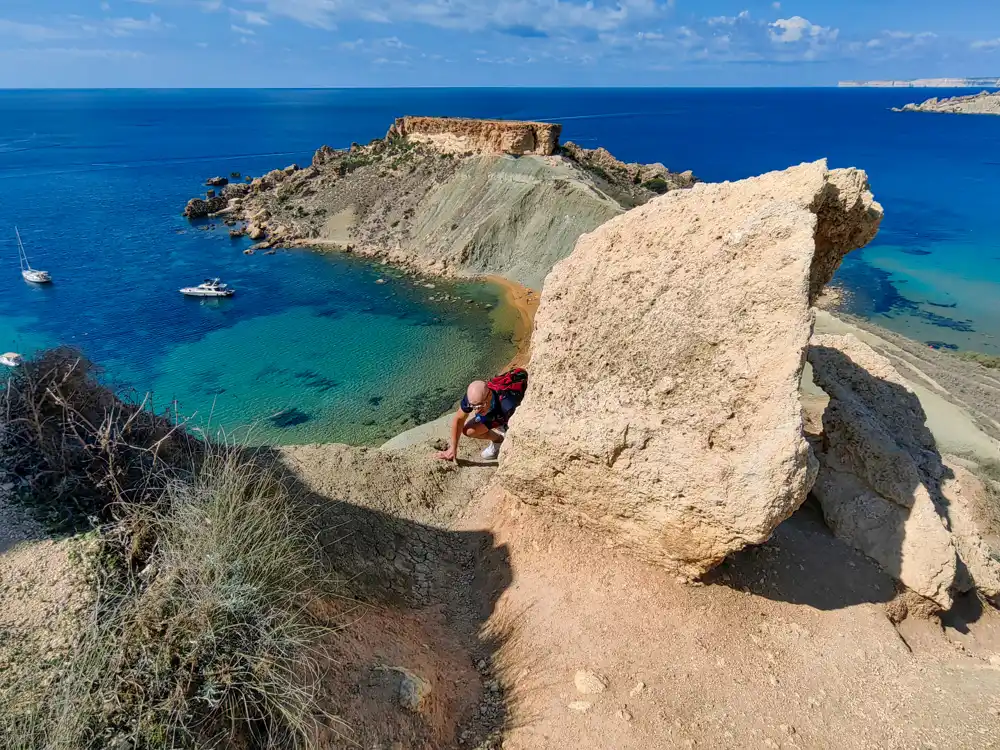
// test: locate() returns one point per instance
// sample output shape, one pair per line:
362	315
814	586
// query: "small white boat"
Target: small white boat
30	274
11	359
209	288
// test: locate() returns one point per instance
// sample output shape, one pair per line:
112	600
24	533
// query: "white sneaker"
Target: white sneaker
491	451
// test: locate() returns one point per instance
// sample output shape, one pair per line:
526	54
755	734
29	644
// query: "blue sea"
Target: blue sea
311	348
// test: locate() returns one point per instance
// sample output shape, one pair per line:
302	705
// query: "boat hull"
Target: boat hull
204	293
36	277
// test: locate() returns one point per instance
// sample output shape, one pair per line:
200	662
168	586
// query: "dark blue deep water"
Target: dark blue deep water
311	348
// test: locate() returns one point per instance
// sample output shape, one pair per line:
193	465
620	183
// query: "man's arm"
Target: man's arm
457	423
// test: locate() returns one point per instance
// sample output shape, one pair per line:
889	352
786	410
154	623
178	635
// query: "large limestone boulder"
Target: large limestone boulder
886	489
663	406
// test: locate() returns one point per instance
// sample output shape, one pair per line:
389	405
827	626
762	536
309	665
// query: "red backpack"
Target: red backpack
513	382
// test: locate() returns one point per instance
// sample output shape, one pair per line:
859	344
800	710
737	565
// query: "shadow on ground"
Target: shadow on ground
418	597
876	454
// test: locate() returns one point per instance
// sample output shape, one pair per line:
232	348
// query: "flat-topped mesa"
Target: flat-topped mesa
458	135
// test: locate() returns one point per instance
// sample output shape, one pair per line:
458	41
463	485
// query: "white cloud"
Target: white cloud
986	44
129	26
516	16
210	6
910	36
797	28
728	20
250	17
242	30
74	52
33	32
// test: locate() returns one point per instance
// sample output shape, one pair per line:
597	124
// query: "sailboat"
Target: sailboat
30	274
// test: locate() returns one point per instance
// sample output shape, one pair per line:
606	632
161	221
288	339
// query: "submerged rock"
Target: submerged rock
663	408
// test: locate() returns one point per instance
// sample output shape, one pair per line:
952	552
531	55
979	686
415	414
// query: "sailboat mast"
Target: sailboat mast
22	256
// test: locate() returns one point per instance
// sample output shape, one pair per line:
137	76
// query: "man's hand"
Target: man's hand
448	455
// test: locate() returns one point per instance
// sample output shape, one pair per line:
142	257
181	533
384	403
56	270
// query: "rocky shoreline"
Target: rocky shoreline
983	103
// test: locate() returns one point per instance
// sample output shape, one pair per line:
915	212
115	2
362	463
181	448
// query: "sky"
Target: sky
344	43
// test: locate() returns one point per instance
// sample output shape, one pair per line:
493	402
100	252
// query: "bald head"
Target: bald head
477	392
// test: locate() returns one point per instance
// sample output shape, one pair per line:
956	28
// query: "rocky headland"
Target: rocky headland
983	103
446	196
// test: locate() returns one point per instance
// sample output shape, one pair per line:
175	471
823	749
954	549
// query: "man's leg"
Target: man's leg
480	431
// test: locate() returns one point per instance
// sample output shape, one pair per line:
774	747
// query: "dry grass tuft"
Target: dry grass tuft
76	447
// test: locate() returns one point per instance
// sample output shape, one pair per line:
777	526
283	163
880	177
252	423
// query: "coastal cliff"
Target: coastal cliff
413	200
460	135
983	103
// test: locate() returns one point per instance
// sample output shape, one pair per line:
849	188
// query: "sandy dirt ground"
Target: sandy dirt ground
788	646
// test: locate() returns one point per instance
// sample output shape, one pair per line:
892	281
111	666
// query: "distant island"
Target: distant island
983	103
926	83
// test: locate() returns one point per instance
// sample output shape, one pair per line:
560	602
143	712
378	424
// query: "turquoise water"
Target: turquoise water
311	348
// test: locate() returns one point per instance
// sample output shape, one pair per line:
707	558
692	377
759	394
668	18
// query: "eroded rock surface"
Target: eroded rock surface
663	406
886	489
457	134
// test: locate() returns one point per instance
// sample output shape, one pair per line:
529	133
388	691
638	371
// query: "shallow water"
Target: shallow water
311	348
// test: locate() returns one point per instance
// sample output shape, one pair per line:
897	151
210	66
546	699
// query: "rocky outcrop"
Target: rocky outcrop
458	135
418	204
883	485
217	181
198	208
655	177
983	103
664	402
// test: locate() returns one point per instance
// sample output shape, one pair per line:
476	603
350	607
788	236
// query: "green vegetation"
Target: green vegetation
205	570
986	360
657	185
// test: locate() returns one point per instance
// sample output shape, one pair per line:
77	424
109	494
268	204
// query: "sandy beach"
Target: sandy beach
517	311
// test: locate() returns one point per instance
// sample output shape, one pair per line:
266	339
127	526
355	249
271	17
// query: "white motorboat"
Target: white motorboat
208	288
30	274
11	359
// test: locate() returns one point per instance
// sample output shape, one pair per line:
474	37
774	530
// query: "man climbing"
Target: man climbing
491	405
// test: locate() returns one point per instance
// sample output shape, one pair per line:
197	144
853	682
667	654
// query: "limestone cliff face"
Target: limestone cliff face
664	401
456	134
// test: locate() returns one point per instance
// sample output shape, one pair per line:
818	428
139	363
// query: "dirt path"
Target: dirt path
790	647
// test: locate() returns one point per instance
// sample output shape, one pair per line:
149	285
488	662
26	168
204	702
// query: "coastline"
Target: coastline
518	305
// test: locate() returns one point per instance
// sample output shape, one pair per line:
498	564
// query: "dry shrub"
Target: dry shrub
211	644
206	568
77	447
